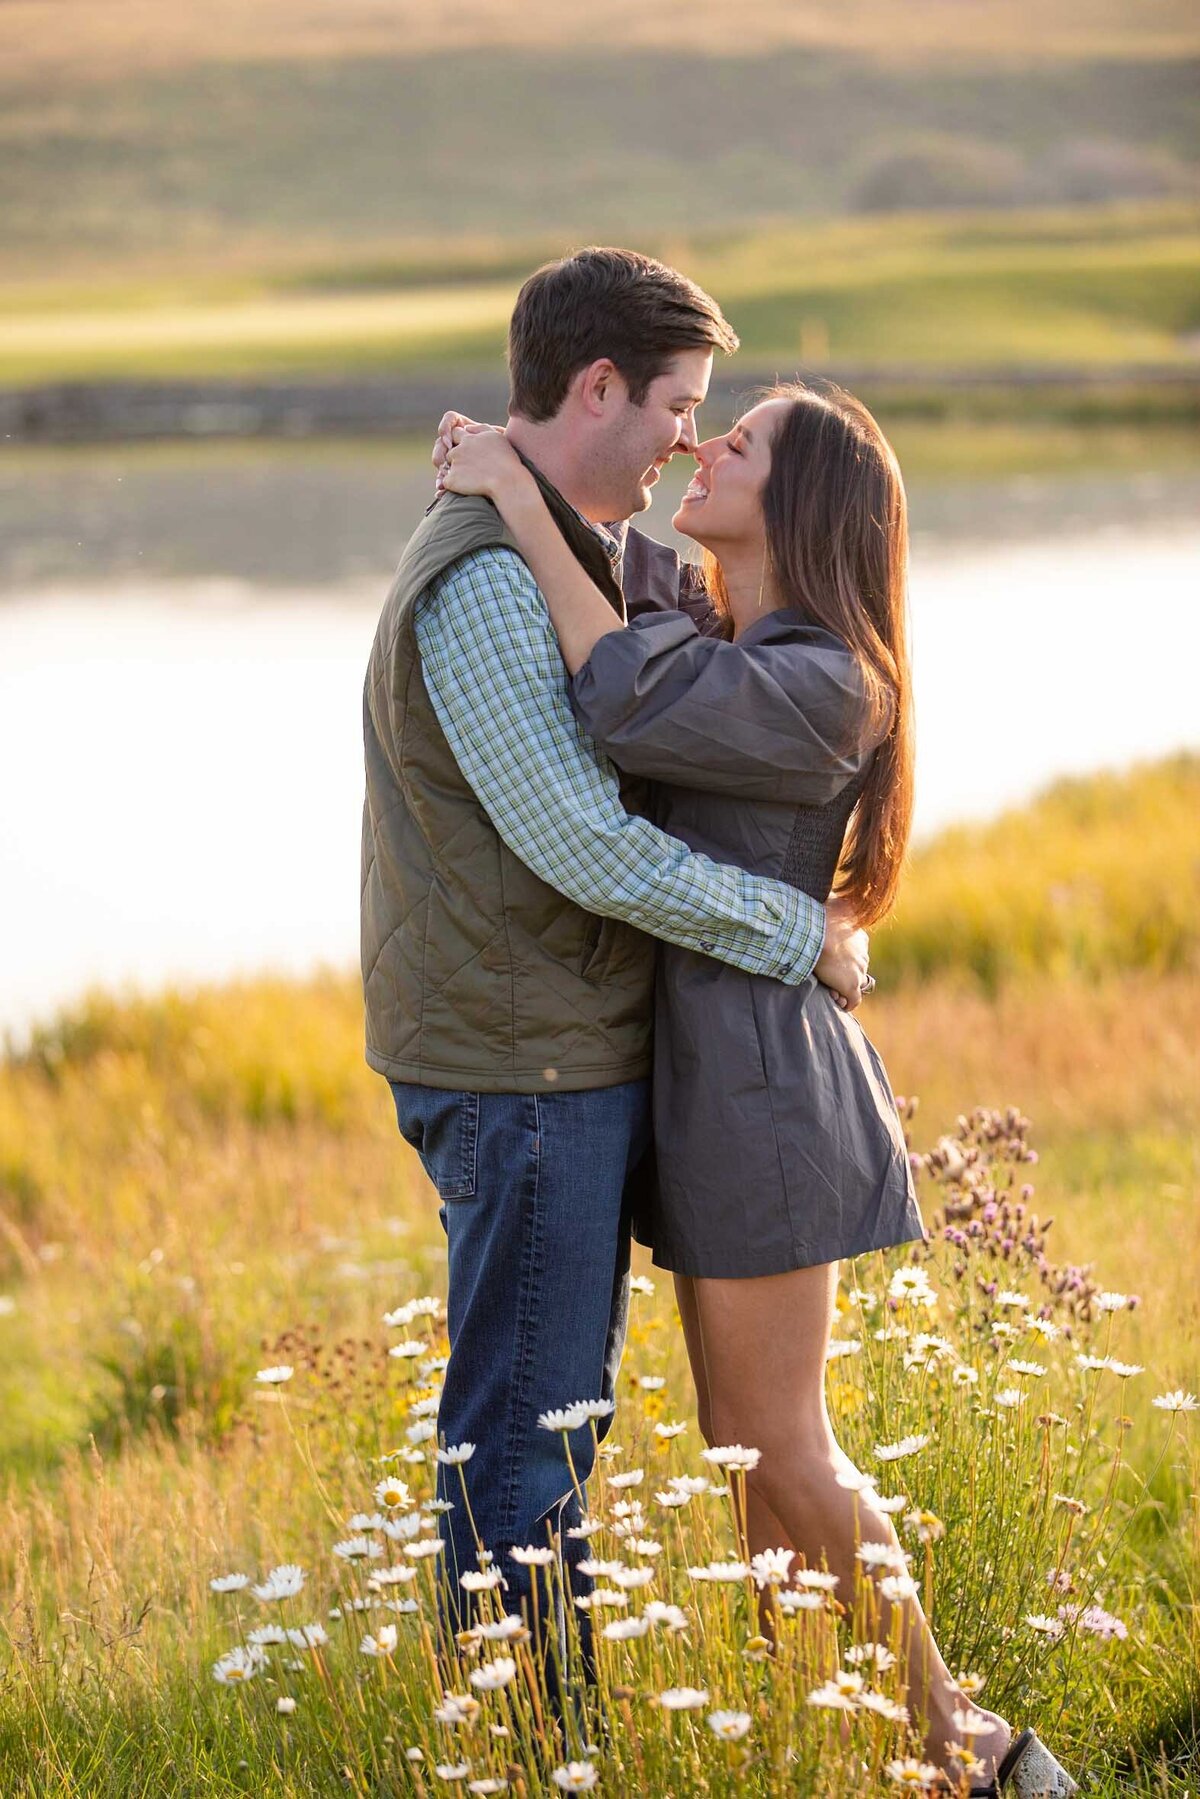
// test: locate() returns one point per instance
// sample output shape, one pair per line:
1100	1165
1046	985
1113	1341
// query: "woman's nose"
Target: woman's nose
704	452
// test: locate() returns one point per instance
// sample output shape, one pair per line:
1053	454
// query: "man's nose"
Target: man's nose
686	440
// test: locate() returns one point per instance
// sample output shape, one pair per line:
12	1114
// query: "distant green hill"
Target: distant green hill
1097	875
204	162
925	292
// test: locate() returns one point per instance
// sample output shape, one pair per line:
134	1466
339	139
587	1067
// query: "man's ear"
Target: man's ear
598	385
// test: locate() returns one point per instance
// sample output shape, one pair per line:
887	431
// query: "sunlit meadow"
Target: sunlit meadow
221	1339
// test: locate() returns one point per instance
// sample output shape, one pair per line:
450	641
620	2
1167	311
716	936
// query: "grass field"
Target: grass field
196	1186
921	292
197	140
83	39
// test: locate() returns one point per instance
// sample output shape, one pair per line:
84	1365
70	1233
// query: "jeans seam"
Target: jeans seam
530	1278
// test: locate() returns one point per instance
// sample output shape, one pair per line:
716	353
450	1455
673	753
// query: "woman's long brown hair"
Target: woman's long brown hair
837	543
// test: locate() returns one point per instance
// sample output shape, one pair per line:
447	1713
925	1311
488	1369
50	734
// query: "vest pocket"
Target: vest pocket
593	945
443	1127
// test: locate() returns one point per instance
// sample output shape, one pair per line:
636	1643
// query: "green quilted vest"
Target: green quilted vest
476	974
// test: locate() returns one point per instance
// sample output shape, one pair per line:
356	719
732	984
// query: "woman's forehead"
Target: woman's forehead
762	419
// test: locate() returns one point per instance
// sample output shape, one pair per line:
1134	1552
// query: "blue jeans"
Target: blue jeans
536	1192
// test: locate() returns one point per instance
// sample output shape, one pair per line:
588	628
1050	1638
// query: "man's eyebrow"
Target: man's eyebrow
688	400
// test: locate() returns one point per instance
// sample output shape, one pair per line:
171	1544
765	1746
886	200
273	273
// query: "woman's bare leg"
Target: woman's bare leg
763	1343
763	1529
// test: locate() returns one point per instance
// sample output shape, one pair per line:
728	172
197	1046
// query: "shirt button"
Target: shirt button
786	969
707	948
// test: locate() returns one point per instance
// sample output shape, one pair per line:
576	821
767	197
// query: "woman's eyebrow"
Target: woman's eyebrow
748	435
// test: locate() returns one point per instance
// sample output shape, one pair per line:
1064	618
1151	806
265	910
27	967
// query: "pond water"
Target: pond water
182	642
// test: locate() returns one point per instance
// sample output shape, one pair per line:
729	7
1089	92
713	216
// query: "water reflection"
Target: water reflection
313	515
182	644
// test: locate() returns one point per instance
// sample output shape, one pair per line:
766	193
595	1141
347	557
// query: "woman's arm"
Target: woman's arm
483	461
781	718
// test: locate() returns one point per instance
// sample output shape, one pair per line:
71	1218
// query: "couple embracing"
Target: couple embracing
609	802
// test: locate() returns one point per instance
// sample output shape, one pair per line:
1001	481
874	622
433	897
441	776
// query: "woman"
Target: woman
783	744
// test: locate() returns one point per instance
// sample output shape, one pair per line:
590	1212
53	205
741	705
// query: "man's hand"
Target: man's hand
842	964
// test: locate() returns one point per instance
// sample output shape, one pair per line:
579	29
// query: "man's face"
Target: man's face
636	443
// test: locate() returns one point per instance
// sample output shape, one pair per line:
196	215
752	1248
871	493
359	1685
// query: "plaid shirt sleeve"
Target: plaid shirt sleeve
496	679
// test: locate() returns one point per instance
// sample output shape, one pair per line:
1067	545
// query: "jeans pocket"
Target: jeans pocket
443	1127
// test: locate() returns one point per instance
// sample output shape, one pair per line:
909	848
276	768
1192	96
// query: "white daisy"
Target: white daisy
530	1556
494	1675
594	1408
275	1377
683	1699
239	1665
629	1579
898	1587
308	1636
454	1454
358	1549
392	1493
578	1777
565	1418
229	1583
732	1455
668	1431
482	1580
719	1571
892	1452
882	1555
382	1643
285	1705
891	1709
770	1566
283	1582
1178	1401
402	1529
914	1776
601	1598
792	1601
399	1574
623	1630
672	1617
731	1727
408	1349
509	1629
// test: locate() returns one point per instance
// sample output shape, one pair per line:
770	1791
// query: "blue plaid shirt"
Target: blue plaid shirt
498	685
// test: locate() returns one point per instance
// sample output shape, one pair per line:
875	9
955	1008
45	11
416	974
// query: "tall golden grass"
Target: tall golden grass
195	1185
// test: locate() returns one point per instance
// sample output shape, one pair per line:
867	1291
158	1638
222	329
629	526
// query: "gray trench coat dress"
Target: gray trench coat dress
777	1138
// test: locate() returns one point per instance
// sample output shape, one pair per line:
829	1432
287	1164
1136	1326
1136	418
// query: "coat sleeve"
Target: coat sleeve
774	720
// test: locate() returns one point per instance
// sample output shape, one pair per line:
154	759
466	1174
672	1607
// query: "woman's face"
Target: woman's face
723	503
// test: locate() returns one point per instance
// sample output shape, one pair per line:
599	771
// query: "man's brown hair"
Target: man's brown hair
600	302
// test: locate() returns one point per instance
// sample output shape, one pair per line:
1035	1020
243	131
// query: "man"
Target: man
509	899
